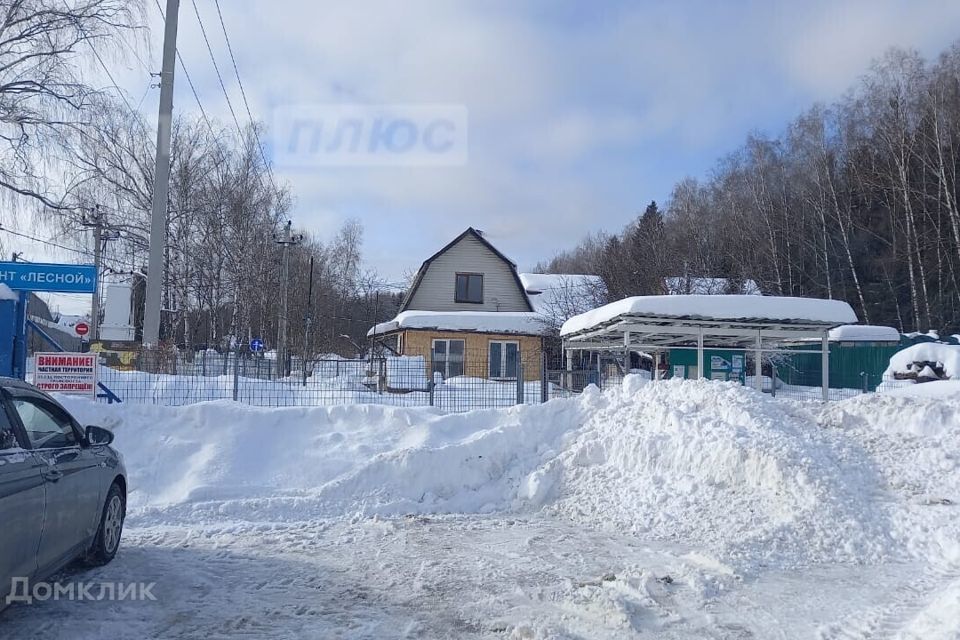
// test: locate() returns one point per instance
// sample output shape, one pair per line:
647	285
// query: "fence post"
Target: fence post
236	373
519	382
544	383
203	362
430	386
865	378
773	380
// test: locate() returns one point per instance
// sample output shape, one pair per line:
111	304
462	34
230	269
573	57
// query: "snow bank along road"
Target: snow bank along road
685	509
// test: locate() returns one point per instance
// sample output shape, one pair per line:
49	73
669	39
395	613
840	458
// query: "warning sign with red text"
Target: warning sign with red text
66	373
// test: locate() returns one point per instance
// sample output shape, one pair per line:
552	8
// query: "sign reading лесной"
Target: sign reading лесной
38	276
74	373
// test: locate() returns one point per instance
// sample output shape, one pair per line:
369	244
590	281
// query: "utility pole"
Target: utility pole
161	179
307	321
286	240
98	223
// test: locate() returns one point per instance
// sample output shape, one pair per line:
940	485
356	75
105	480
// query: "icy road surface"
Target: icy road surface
463	577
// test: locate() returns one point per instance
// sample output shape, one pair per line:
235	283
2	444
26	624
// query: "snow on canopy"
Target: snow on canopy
685	285
718	307
559	296
519	322
864	333
946	354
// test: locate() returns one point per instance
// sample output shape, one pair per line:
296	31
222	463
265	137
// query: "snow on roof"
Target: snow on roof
685	285
947	354
933	334
6	293
571	294
864	333
519	322
718	307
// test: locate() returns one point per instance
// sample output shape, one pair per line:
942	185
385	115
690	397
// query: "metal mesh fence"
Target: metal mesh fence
447	381
451	382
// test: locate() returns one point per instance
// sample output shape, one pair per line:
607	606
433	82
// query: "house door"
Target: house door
504	359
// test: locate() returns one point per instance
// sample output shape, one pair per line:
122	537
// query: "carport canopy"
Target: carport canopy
761	324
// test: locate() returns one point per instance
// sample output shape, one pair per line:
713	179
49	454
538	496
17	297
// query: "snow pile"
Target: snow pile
718	465
705	463
913	360
479	473
914	443
935	389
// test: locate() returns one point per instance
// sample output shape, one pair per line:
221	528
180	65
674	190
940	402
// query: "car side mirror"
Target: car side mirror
98	436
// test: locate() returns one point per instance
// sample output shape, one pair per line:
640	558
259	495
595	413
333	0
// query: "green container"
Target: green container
853	364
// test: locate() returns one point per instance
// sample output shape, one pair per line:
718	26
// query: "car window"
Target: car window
47	425
7	438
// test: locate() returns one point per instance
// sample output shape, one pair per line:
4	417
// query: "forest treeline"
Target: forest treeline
857	201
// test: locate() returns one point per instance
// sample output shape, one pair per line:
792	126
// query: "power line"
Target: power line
216	67
193	88
243	94
49	243
46	242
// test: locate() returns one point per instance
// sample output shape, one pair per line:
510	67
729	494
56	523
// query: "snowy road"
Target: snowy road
460	577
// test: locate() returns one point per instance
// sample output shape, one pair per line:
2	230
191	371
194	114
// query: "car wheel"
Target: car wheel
107	541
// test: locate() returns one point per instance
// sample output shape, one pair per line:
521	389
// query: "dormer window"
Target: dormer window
469	288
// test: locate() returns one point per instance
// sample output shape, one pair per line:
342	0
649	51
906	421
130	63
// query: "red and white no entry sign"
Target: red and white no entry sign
82	328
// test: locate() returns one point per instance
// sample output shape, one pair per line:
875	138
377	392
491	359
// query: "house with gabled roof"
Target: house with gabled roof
468	314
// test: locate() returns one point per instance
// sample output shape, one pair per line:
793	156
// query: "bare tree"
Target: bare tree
45	100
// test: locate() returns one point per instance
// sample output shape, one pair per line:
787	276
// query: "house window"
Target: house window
469	288
504	359
448	357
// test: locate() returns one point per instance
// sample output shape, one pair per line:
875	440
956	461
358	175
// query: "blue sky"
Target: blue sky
580	112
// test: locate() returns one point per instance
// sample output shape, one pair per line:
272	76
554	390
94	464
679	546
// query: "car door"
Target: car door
21	506
70	473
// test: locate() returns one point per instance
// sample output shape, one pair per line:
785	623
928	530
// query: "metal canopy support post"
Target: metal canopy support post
758	363
700	372
825	364
656	365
